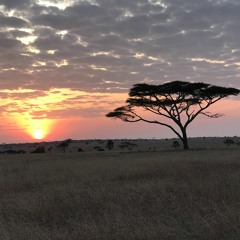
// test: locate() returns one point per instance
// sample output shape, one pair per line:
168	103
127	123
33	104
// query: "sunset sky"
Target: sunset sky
66	63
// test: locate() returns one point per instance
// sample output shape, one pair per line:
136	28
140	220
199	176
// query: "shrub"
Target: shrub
39	149
175	144
228	142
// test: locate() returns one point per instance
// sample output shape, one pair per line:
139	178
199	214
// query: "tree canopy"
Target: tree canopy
178	101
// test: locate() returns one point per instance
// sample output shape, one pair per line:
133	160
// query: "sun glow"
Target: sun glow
35	114
40	128
38	134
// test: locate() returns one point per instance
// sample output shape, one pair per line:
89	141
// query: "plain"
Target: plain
169	194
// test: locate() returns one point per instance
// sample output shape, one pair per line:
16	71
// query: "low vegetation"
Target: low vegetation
229	142
121	195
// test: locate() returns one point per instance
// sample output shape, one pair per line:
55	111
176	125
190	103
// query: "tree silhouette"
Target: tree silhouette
175	144
64	144
178	102
110	145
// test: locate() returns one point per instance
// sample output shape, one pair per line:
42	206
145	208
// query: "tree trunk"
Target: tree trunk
185	140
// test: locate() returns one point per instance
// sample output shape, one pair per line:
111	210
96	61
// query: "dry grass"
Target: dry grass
137	195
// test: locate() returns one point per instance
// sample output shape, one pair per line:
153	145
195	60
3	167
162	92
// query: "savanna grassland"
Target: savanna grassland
121	195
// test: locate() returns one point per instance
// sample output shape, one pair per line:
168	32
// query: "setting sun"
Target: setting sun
39	128
38	134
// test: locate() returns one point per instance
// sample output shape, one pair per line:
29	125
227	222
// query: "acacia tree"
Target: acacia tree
178	102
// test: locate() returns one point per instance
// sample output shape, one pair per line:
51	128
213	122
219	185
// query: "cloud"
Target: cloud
56	103
106	46
12	22
8	43
14	3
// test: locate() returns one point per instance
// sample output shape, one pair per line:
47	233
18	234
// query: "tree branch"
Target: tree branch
215	115
157	122
210	102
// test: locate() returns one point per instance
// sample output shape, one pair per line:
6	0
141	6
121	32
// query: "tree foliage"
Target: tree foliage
64	144
178	101
110	145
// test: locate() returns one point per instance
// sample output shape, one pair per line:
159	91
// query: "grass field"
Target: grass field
121	195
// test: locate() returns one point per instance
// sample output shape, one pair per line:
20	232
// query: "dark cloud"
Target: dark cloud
18	34
12	22
15	3
86	11
108	45
50	41
59	22
8	43
134	27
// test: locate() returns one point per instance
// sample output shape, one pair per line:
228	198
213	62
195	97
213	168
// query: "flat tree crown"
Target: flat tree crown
176	94
184	89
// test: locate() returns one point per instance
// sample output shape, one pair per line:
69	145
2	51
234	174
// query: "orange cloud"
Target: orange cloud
36	112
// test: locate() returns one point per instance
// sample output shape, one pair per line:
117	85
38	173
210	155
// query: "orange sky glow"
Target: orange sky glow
28	115
42	121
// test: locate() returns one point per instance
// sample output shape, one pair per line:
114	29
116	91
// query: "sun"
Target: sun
38	134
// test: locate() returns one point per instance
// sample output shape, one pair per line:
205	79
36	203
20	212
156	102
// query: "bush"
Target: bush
229	142
40	149
175	144
110	145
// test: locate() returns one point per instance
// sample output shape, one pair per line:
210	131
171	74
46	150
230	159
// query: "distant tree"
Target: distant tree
110	145
229	142
64	144
177	102
175	144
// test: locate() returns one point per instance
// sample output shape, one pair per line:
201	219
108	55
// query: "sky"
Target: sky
64	64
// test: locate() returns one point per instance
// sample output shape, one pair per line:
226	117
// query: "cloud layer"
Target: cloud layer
106	46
